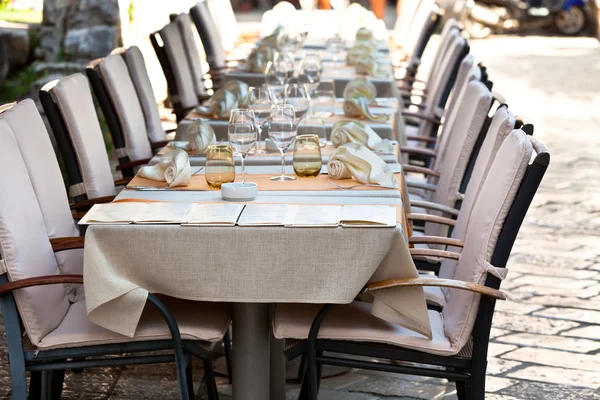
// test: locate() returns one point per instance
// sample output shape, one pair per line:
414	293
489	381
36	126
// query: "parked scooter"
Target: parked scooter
483	17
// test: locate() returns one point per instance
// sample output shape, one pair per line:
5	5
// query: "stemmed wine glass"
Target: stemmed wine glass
242	133
312	125
282	131
310	72
260	101
335	45
297	96
277	73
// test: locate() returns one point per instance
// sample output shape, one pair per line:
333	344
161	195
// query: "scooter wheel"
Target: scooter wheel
572	21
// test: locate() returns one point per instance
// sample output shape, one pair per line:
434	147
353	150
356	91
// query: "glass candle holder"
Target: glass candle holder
307	156
219	167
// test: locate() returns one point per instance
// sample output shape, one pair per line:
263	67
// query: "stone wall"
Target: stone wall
79	29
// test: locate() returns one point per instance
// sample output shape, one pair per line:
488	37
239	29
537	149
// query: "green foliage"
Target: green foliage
18	84
4	4
35	37
130	10
23	16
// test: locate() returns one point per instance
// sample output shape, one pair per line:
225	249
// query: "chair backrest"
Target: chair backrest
184	23
209	34
424	24
115	77
467	71
448	35
496	210
225	20
469	123
24	243
404	21
171	53
46	178
75	124
502	124
141	81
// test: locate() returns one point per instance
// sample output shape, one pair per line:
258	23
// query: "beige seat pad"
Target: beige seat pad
354	322
196	320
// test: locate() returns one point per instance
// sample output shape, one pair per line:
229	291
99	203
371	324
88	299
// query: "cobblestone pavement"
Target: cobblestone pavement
546	338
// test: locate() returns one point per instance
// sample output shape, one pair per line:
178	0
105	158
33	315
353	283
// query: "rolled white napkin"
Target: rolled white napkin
353	160
173	168
219	105
194	135
358	132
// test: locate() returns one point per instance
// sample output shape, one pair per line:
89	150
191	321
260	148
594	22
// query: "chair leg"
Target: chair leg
190	379
55	386
227	344
209	378
319	371
462	390
477	384
35	386
302	369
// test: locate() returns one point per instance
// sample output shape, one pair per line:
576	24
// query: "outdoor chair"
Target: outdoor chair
141	81
458	347
49	332
403	24
216	56
171	53
122	108
70	110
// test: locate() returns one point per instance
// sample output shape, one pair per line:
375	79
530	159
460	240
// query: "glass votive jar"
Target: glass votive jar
307	156
219	167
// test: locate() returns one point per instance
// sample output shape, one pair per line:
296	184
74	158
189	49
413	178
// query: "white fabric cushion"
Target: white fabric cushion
24	243
196	321
176	54
213	41
487	218
222	12
141	81
127	106
184	23
44	172
354	322
467	71
74	100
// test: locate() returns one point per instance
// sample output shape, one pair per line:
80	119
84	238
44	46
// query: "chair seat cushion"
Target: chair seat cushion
433	294
197	321
354	322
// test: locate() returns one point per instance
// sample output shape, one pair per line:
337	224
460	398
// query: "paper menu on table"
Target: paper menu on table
264	215
313	216
112	213
163	213
368	216
214	215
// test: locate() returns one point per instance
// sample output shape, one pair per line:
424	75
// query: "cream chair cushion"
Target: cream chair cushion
127	106
176	55
24	243
196	321
45	176
487	218
74	99
214	40
418	29
141	81
354	322
184	23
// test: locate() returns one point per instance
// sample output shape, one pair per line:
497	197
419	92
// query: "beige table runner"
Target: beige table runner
123	263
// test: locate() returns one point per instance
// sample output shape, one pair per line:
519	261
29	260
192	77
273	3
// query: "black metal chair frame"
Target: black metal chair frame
48	367
467	372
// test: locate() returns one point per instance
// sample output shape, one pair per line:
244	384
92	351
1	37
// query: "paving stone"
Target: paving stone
543	391
552	261
557	291
498	366
344	380
500	396
552	271
495	384
329	394
595	267
552	281
516	308
555	358
592	303
551	342
495	332
574	314
526	323
495	349
399	387
589	332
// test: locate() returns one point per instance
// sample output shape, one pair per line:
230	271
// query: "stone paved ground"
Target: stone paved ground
546	338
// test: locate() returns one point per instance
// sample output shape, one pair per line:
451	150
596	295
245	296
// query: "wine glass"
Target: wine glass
297	96
242	133
260	101
288	41
323	99
335	45
310	72
282	131
313	126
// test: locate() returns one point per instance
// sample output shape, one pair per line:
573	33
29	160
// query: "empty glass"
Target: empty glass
335	45
307	156
276	75
309	72
282	131
323	99
297	96
260	101
242	134
219	167
288	41
311	125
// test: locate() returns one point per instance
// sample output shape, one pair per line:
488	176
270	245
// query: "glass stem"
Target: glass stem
243	169
282	163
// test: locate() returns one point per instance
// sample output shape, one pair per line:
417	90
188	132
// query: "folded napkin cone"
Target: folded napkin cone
194	135
173	168
358	132
219	105
358	95
353	160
